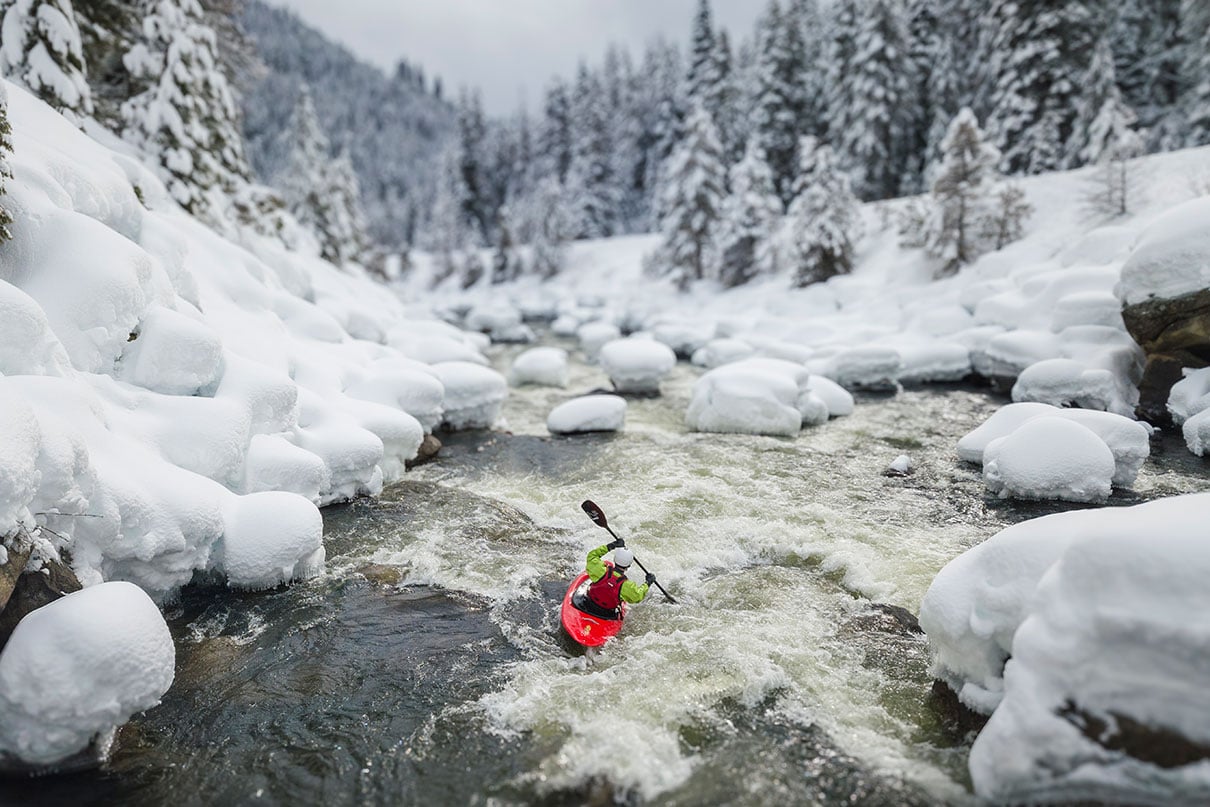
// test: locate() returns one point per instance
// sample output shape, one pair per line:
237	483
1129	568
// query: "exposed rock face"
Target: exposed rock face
1174	333
429	448
1158	746
33	590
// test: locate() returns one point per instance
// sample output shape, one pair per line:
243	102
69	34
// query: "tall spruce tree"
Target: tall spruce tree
1146	39
1195	23
962	193
346	238
591	184
824	217
184	113
695	185
1042	48
873	102
702	76
40	49
780	106
750	215
554	132
1104	117
6	172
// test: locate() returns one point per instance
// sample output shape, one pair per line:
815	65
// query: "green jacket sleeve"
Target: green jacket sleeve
595	566
633	592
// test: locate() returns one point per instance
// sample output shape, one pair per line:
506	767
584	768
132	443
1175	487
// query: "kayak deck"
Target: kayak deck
587	629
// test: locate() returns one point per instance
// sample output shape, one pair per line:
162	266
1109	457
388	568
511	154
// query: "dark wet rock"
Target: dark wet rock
381	574
430	446
34	589
10	571
957	719
1174	333
1162	747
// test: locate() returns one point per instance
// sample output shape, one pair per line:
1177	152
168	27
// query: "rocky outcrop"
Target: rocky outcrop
30	589
1174	333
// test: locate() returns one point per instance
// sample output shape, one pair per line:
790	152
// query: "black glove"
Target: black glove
615	543
650	579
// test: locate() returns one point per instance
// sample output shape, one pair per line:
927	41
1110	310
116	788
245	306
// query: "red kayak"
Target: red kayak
583	620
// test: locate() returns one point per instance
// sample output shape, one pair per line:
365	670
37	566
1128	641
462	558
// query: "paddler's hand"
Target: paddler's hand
650	579
616	543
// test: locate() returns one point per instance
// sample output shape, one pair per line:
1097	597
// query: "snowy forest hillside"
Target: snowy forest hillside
392	127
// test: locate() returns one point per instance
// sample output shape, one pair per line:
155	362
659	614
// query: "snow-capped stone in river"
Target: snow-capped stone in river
933	360
544	366
865	368
588	413
474	395
270	538
636	365
900	466
718	352
1065	382
1094	608
595	334
746	397
80	667
501	322
1049	458
1189	405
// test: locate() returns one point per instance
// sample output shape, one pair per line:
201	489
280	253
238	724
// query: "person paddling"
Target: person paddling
610	587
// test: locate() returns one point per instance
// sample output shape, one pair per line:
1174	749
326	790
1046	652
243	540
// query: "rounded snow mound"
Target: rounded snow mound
543	366
474	395
636	365
595	334
754	396
80	667
589	413
1172	256
271	538
1049	458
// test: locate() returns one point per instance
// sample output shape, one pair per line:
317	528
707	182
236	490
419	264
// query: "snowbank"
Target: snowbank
78	668
1094	607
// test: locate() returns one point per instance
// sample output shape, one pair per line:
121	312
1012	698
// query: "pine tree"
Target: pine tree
872	106
1042	47
554	133
346	239
824	217
472	136
702	77
448	230
1146	40
1103	129
1006	221
591	185
780	108
108	29
695	183
40	49
184	114
961	193
551	228
750	216
302	182
1195	23
6	172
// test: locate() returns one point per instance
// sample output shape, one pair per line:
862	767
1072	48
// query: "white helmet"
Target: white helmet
622	558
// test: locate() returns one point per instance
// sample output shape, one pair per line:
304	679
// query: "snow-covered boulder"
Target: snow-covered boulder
270	538
402	384
933	361
865	368
545	366
1049	458
1107	665
837	399
1196	431
28	346
274	463
595	334
1064	382
718	352
1001	423
501	322
172	353
684	336
636	365
1190	395
746	398
474	395
588	413
80	667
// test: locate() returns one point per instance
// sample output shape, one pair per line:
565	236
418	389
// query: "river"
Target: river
426	665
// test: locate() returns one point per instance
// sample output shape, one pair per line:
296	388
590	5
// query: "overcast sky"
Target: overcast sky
507	47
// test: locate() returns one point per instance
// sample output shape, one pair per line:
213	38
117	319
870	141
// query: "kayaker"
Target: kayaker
610	586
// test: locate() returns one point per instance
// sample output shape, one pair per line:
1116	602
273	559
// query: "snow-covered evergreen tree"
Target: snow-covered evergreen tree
962	193
694	189
1195	23
472	136
780	107
1104	127
1146	39
302	182
551	228
824	217
872	108
6	172
40	49
554	132
448	231
702	77
346	239
1042	49
750	215
591	185
184	114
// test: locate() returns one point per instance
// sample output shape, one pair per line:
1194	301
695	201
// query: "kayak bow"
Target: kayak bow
587	629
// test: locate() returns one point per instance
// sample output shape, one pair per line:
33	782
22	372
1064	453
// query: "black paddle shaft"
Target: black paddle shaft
598	517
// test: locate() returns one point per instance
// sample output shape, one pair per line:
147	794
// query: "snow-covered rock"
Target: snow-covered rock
865	368
718	352
474	395
172	353
501	322
1093	607
80	667
1171	258
1190	395
1049	458
588	413
595	334
836	398
546	366
932	361
1064	382
746	398
636	365
270	538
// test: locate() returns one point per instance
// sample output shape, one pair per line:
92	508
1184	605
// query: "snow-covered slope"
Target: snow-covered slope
155	376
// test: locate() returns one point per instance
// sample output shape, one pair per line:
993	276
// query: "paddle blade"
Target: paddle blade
595	513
